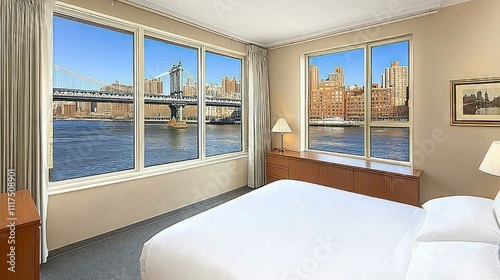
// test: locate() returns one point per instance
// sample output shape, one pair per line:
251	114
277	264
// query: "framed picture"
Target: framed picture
475	102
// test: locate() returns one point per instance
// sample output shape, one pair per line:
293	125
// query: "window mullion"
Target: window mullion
201	103
139	100
368	101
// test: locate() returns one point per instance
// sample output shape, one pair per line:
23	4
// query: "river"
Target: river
85	148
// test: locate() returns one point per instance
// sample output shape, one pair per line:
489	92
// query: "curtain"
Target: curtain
259	123
25	97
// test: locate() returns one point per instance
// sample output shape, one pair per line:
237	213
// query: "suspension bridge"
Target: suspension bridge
62	94
72	86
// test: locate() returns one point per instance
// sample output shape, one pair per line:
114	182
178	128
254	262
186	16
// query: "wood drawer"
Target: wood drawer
387	181
303	171
276	171
336	177
277	161
270	179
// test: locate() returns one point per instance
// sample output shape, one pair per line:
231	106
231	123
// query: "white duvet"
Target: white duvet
288	230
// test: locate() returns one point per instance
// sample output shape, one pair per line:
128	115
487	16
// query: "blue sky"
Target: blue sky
106	55
353	62
94	52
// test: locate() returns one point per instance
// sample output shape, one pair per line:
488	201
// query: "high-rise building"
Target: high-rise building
337	77
355	104
190	88
382	103
327	102
233	85
397	77
229	85
153	86
212	90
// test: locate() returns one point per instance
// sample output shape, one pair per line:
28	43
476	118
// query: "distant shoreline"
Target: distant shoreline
93	119
335	123
148	121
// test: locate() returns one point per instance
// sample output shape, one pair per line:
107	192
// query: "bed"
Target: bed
292	230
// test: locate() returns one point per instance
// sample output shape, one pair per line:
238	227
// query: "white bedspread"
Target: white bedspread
288	230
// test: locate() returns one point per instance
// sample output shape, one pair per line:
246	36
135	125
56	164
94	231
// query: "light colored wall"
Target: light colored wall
79	215
458	42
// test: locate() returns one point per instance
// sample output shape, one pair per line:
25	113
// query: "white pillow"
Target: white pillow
496	207
454	260
460	218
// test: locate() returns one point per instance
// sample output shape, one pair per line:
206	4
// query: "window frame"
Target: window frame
244	115
139	171
167	38
368	123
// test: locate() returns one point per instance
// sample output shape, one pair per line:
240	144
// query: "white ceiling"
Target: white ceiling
271	23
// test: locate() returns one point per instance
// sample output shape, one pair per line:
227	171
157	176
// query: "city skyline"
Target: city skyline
332	97
92	51
492	92
352	62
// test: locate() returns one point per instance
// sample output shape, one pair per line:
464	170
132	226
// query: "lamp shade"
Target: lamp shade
281	126
491	161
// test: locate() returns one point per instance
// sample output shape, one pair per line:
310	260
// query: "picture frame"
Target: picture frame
475	102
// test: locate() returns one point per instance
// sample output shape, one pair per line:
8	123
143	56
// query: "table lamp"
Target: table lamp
281	126
491	161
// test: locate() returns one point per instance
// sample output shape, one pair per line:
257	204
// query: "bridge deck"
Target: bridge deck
109	97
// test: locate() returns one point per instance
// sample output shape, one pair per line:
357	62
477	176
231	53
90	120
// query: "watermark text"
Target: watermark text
11	219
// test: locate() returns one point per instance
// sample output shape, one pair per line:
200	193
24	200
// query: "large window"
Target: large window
223	104
342	83
170	102
124	102
93	104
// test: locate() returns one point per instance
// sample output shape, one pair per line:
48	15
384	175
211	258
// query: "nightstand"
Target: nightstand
19	237
276	166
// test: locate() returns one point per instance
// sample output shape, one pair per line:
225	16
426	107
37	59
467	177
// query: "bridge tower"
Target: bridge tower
176	90
176	80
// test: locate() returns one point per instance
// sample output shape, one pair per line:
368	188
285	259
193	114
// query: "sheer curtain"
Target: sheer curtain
259	123
25	95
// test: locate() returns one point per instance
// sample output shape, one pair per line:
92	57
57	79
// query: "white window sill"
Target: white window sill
130	175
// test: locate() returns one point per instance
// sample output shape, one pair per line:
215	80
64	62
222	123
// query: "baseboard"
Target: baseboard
83	243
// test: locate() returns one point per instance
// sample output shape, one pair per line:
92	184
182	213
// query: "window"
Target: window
93	104
170	102
336	106
223	104
390	114
341	83
127	103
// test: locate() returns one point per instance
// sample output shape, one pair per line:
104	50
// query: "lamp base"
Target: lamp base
281	149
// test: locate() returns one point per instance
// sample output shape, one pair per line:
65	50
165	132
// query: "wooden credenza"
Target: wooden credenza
388	181
19	223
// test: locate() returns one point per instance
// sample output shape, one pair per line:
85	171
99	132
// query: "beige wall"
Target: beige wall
79	215
458	42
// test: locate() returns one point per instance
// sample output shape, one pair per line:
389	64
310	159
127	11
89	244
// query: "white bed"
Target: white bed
288	230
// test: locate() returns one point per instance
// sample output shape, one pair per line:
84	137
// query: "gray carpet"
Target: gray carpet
116	255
